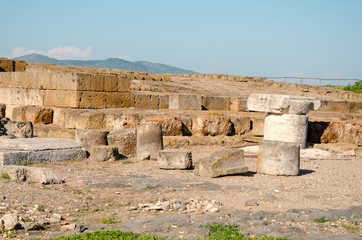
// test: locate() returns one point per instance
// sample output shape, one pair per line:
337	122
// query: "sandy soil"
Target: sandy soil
95	190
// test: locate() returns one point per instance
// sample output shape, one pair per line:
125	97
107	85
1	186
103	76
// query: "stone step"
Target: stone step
22	151
53	131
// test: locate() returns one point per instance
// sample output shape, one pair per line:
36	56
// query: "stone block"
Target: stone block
97	82
66	81
42	80
242	125
174	159
164	102
124	83
221	163
146	101
149	140
35	114
238	104
185	101
7	65
89	138
20	66
104	153
300	107
49	131
125	140
120	100
215	103
111	83
32	150
61	98
18	96
5	79
171	126
211	126
287	128
120	121
278	158
272	103
20	129
344	131
24	79
92	100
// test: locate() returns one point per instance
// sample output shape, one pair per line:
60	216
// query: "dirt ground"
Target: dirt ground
94	190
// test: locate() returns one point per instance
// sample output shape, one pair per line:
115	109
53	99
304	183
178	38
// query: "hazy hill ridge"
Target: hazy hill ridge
107	63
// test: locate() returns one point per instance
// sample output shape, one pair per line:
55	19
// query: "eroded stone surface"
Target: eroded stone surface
174	159
278	158
149	140
220	163
125	140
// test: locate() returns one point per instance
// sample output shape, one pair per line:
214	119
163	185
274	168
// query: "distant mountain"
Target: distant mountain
108	63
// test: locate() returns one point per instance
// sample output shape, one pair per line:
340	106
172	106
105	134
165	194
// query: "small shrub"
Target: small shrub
321	220
107	220
40	209
5	176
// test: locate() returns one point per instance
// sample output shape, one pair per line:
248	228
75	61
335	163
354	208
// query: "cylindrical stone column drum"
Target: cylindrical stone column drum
287	128
278	158
149	140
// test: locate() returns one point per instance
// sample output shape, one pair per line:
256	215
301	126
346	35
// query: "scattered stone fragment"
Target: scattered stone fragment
10	221
91	137
251	203
104	153
31	174
278	158
220	163
149	140
125	140
174	159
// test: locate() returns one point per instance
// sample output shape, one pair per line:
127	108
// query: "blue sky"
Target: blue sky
309	38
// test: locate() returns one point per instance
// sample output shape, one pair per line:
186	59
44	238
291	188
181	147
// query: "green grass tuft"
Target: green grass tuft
321	220
5	176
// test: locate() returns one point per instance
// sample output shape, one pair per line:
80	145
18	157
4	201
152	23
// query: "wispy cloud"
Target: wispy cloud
67	52
125	57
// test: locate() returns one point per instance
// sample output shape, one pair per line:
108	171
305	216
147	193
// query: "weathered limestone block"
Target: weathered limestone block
147	101
287	128
35	114
20	129
257	126
90	120
125	140
164	101
51	131
31	150
215	103
31	174
120	100
278	158
90	99
121	121
211	126
171	126
221	163
2	110
41	80
238	104
61	98
185	101
340	106
7	65
345	131
272	103
111	83
174	159
300	107
104	153
149	140
5	79
241	125
18	96
89	138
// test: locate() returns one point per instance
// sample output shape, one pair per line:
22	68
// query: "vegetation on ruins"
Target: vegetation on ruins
356	88
217	232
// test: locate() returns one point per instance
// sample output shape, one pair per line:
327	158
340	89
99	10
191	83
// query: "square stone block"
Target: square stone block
174	159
